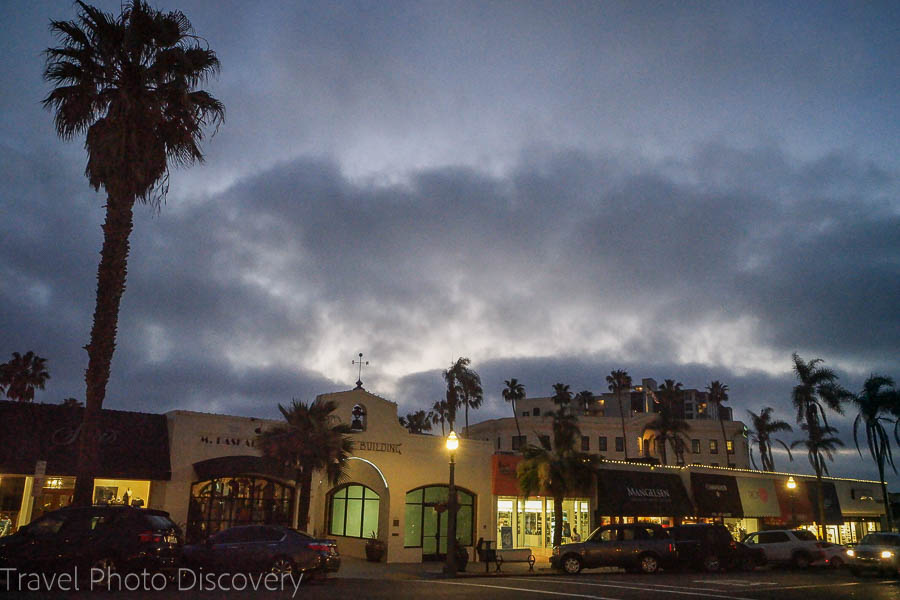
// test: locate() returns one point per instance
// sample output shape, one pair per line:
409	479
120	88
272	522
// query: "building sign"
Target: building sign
647	493
377	446
758	497
214	440
716	495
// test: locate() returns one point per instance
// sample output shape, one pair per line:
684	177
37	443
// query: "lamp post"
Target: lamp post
792	487
450	567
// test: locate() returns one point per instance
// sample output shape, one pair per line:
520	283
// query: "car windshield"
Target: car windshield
880	539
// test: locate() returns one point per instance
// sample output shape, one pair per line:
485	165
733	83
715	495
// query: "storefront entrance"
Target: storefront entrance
220	503
427	518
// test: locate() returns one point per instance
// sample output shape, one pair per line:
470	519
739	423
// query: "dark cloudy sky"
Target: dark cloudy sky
553	189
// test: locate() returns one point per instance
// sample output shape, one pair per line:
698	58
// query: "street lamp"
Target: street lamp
792	486
450	567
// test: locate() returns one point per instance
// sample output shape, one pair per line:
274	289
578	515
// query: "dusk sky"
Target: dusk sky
553	189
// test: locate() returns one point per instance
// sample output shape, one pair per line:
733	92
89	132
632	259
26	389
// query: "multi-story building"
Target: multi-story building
602	432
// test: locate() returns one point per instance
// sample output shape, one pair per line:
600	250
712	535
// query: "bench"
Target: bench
488	555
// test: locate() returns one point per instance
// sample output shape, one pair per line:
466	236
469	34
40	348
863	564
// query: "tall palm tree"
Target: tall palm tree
873	402
308	441
416	422
821	443
817	389
583	400
128	82
453	378
439	414
559	470
562	397
514	392
761	430
472	393
668	427
22	374
717	394
620	382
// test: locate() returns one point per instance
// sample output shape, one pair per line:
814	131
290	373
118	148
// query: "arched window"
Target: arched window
426	519
354	511
218	504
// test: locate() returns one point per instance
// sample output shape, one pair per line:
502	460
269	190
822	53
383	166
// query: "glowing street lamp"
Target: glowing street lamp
450	568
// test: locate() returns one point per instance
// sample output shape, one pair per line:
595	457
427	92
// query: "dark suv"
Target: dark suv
108	538
641	547
711	548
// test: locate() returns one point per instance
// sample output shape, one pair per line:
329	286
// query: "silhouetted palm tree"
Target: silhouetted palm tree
821	443
717	394
761	430
416	422
439	414
513	393
559	470
620	382
22	375
562	397
817	389
668	427
583	400
308	441
128	83
874	402
472	393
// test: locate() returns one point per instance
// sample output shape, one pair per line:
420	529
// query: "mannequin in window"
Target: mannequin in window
126	497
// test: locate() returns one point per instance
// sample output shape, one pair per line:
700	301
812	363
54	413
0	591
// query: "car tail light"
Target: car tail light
150	536
319	547
671	547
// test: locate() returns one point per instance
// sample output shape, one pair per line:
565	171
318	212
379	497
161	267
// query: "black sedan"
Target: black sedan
257	548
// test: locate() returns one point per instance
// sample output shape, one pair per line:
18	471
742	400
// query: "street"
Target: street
763	584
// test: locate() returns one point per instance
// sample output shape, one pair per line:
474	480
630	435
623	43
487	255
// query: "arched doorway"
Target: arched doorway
223	502
426	520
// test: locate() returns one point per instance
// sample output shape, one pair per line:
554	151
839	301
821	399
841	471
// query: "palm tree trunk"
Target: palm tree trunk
622	416
516	417
724	438
466	403
820	500
305	490
884	494
557	520
110	287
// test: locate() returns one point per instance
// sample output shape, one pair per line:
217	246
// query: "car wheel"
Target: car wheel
572	565
282	565
836	562
711	563
801	560
649	564
107	568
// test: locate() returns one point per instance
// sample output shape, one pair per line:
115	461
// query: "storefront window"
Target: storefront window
354	512
530	523
221	503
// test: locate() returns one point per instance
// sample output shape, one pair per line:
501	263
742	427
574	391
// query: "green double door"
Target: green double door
434	533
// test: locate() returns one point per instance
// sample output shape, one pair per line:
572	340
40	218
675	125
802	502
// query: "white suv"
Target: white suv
798	547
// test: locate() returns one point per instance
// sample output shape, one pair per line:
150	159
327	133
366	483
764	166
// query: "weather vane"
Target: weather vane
359	362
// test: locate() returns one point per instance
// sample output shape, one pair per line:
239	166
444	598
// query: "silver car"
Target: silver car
877	552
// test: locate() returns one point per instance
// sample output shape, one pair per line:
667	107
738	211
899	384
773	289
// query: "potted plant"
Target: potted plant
375	548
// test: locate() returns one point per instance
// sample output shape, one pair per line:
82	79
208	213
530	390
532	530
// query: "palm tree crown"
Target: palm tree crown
416	422
514	392
309	441
761	430
128	83
22	374
562	397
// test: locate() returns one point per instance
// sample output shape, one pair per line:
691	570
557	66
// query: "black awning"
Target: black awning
829	495
133	445
716	495
232	466
642	494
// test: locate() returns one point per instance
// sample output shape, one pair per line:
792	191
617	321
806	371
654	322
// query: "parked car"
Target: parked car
878	552
797	547
257	548
643	547
711	548
110	538
835	556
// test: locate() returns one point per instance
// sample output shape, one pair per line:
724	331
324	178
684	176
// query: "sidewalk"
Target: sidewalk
359	568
